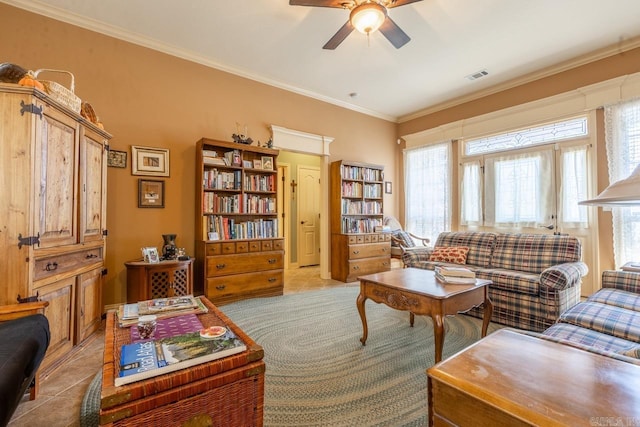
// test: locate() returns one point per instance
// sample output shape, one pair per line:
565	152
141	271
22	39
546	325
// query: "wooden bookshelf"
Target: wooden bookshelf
358	247
238	251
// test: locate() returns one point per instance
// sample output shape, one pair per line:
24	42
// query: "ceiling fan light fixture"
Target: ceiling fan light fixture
368	17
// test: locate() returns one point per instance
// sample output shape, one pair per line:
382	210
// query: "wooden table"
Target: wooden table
227	391
513	379
417	291
163	279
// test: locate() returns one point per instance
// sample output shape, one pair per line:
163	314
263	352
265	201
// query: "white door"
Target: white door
308	216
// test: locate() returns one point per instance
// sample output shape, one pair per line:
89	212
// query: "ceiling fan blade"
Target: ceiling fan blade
396	3
339	37
342	4
393	33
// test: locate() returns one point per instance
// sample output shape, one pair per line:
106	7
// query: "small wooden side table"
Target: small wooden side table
158	280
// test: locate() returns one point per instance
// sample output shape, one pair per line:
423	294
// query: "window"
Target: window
428	192
622	136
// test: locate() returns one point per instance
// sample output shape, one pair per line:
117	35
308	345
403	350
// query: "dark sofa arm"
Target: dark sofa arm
624	280
563	276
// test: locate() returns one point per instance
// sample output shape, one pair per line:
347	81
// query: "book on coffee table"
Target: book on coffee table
147	359
128	314
449	271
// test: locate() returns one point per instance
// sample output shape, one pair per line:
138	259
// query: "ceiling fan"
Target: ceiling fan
366	16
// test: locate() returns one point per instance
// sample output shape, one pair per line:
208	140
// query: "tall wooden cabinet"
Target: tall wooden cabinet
358	247
239	253
52	213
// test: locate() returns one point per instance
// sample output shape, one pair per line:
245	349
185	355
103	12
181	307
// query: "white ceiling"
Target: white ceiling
278	44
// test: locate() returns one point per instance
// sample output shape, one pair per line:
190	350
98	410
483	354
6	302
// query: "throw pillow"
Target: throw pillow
405	238
450	254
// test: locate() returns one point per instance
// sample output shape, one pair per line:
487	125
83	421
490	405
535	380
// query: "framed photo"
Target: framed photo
246	163
257	164
387	187
150	193
149	161
150	255
267	163
117	159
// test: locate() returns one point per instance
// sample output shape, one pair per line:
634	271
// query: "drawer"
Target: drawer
368	266
227	248
247	283
244	263
368	250
278	245
267	245
49	266
255	246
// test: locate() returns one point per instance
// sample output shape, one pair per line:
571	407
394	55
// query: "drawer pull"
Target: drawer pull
356	252
89	256
271	260
356	267
220	287
220	266
271	279
51	266
384	249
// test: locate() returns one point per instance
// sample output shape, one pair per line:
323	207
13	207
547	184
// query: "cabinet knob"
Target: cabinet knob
51	266
220	266
220	287
89	256
271	260
356	267
356	252
271	279
384	249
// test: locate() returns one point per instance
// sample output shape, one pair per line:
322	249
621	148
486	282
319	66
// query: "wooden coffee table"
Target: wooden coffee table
419	292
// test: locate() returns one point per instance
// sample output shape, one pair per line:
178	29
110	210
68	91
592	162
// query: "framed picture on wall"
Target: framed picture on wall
149	161
150	193
117	159
387	187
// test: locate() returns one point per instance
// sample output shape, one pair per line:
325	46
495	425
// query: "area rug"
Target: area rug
319	374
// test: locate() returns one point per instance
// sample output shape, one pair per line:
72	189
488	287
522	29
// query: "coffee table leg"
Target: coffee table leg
438	332
412	317
363	316
486	317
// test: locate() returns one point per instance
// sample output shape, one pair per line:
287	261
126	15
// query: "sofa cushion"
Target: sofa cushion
480	245
618	298
405	238
608	319
534	252
586	339
513	281
450	254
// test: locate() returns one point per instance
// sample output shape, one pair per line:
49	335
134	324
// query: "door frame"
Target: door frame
284	201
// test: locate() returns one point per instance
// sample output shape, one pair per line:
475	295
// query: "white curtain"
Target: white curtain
573	187
622	138
519	189
471	194
428	190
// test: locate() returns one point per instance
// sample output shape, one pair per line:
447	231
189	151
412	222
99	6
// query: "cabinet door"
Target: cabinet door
56	183
89	303
92	186
61	297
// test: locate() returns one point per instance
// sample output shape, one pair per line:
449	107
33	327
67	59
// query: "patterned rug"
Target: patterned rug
319	374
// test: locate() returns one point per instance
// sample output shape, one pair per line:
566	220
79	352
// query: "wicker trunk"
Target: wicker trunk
227	391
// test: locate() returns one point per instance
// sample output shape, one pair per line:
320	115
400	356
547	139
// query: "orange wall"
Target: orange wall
148	98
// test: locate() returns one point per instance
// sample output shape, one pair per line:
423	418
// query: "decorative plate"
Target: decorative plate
213	332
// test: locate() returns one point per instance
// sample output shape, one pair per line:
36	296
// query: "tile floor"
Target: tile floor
60	396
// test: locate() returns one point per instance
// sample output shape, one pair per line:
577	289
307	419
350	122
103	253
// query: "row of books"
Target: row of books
360	225
217	180
229	228
260	183
455	275
238	203
350	207
356	189
356	172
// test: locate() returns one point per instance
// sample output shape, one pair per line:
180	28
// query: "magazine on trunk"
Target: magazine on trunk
147	359
128	314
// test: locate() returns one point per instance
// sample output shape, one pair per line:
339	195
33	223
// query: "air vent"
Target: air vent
477	75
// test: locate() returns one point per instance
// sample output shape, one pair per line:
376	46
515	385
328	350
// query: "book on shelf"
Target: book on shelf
215	161
128	314
449	271
147	359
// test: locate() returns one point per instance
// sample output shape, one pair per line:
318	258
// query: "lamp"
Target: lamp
368	17
622	193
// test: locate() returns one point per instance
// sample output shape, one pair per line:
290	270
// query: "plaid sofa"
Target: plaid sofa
536	277
608	322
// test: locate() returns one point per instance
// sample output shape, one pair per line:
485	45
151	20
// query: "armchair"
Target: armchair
25	336
401	240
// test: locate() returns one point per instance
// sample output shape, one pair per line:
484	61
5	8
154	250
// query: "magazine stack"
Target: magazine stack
455	275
